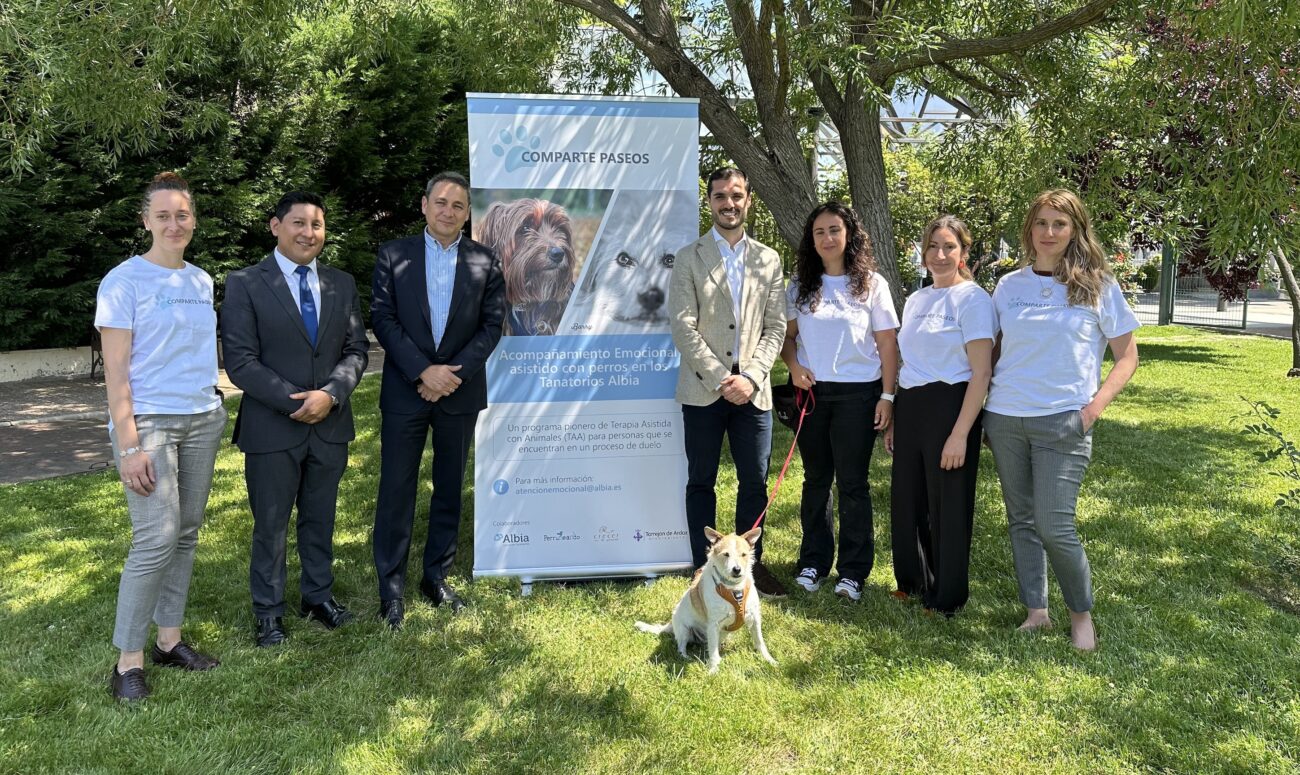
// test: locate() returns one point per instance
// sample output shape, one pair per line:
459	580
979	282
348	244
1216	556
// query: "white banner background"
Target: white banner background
579	467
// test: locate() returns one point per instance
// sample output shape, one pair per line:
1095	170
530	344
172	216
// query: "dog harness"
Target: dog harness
736	601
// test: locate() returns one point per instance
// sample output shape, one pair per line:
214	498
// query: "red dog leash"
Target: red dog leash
803	399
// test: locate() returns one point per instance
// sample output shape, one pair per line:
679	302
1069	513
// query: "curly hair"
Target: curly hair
1083	268
859	260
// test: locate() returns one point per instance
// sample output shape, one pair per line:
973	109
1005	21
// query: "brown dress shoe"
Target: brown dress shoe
766	583
130	685
183	656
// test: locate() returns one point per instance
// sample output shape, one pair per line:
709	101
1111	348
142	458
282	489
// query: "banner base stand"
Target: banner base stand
531	576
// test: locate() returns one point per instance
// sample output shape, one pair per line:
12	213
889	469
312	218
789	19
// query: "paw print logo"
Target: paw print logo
512	144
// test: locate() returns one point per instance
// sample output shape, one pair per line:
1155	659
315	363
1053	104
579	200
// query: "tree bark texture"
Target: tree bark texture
1292	290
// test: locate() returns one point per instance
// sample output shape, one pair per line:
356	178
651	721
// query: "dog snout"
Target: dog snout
735	571
556	254
651	299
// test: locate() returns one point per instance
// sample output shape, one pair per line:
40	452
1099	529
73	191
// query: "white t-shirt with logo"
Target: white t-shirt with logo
173	334
937	324
836	343
1051	351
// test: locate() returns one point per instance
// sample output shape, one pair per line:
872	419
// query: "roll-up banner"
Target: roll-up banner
579	469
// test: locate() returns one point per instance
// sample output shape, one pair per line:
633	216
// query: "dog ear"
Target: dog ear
752	536
712	535
489	228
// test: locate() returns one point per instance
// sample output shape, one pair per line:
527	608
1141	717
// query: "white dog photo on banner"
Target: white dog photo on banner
623	288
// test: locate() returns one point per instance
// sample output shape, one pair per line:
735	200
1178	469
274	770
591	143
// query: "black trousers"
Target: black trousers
933	510
307	476
402	441
749	431
835	447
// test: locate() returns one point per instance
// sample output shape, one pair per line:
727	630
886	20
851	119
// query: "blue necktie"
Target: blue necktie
306	304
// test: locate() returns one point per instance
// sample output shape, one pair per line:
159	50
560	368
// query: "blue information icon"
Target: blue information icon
501	487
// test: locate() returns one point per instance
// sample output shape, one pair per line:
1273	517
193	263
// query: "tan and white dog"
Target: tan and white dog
720	599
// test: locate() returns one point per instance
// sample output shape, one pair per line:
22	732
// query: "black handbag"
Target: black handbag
786	402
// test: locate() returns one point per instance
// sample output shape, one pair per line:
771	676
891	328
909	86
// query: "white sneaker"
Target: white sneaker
850	589
809	579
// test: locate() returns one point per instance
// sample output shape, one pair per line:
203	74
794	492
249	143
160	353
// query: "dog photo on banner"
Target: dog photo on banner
541	238
623	288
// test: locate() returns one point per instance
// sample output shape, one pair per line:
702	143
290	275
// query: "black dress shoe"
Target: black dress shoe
766	583
129	685
392	612
439	592
331	613
269	631
183	656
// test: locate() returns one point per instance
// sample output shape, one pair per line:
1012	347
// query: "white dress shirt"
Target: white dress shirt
290	270
734	261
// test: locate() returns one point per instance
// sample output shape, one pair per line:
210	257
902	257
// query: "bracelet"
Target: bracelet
129	451
887	397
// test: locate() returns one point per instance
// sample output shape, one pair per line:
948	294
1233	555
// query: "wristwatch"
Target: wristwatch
129	451
887	397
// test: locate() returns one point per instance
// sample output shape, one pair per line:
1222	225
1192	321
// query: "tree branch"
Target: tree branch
978	48
684	77
977	84
822	81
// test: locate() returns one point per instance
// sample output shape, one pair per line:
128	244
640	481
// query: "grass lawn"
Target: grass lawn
1198	670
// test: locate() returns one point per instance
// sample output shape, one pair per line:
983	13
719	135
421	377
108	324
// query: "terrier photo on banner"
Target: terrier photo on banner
540	244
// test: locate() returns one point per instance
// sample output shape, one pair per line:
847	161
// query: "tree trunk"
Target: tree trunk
864	159
1292	290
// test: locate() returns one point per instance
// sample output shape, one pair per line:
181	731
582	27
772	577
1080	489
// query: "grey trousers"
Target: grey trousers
165	524
1041	462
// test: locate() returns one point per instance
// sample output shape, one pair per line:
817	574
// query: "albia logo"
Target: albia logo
513	144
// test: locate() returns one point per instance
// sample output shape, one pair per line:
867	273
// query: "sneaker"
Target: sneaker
767	584
809	579
850	589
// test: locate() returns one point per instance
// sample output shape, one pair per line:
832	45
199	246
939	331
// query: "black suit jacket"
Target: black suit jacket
268	355
399	313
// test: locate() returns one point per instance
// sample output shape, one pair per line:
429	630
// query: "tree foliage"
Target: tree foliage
358	100
757	66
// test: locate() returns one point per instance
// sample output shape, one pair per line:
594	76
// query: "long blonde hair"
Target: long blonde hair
959	230
1083	267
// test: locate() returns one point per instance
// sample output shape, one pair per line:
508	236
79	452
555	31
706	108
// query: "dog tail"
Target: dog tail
654	629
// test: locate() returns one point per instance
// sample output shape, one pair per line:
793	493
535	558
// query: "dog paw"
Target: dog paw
513	145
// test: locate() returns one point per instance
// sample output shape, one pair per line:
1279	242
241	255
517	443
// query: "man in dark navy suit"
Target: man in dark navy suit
294	342
438	307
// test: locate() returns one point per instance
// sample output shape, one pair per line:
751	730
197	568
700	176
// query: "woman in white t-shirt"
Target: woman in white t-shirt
1057	314
946	342
155	315
840	344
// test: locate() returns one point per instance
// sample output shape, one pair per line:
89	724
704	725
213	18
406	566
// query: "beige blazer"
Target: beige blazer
704	324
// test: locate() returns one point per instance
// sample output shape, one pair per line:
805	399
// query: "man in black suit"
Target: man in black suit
294	342
438	306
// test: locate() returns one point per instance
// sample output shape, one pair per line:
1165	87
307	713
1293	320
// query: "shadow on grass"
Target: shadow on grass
1194	672
1177	553
1178	352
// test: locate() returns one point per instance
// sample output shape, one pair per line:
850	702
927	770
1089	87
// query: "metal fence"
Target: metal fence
1186	300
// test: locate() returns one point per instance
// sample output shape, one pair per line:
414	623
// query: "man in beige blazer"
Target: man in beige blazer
727	308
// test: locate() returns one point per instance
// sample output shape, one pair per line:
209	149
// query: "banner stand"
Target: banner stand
579	465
